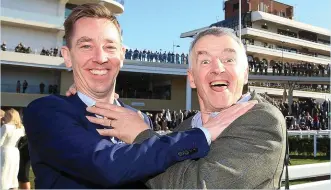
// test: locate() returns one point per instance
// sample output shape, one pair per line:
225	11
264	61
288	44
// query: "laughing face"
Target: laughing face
95	56
218	71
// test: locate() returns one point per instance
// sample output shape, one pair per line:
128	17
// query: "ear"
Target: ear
246	75
122	56
191	78
65	52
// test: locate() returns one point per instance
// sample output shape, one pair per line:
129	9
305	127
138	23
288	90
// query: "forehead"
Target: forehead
95	28
216	44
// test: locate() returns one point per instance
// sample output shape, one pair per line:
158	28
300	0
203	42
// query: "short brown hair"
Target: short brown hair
91	10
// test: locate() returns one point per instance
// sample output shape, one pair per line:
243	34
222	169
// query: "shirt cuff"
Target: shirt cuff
207	134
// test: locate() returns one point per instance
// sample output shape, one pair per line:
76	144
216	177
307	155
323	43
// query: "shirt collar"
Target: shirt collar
90	102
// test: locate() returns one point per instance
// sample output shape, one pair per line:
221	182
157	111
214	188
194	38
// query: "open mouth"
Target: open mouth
99	72
219	86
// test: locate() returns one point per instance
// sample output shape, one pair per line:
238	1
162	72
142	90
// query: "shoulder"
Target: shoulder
52	101
8	127
261	119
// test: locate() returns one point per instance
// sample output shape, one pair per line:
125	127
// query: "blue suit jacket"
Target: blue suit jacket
67	152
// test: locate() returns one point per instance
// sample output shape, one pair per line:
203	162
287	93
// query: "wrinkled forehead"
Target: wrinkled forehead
216	46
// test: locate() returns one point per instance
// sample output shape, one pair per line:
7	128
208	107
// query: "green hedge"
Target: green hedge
305	145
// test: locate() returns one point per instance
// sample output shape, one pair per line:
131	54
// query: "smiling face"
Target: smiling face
218	71
95	55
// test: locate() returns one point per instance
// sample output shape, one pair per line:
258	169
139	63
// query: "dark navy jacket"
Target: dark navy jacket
67	152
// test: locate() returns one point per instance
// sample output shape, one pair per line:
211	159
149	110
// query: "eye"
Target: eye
86	46
204	62
110	47
229	60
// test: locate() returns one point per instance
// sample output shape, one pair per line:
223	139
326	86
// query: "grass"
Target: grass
295	160
300	160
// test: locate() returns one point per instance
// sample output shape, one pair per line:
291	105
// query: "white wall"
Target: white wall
34	76
36	39
45	7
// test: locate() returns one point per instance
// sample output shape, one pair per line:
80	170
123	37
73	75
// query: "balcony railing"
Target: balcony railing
30	16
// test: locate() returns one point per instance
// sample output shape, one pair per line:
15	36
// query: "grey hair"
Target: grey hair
218	31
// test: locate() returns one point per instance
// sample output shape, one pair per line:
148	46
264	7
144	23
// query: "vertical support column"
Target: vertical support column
188	95
59	39
62	7
290	96
315	145
284	94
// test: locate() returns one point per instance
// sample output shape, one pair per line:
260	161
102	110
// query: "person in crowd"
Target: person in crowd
274	66
42	88
261	66
18	87
182	58
3	46
266	66
28	50
2	114
74	151
177	58
280	68
19	47
219	70
43	51
50	89
180	117
25	164
11	132
56	51
25	86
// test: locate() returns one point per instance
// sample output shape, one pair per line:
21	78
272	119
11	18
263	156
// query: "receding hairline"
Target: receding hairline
217	32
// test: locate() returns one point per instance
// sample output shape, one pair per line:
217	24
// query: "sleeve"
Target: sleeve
248	154
4	134
61	141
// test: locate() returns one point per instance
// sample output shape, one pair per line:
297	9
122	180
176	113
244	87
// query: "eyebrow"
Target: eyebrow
83	39
231	50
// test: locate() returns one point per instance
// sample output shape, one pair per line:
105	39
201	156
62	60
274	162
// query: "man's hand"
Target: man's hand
216	125
126	124
71	91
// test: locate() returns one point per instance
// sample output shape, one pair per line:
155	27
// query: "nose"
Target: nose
217	66
100	56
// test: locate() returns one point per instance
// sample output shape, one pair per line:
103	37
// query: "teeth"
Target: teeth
98	72
219	83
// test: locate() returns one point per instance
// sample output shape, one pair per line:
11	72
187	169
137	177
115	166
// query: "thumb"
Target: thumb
108	132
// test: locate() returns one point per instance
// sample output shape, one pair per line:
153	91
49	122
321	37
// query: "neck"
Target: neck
205	113
100	97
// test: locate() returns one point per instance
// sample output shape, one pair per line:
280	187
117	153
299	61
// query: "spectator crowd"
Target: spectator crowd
21	48
303	87
52	89
306	115
156	56
258	67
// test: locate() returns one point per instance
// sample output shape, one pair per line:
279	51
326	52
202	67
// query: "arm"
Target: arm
61	141
246	155
4	134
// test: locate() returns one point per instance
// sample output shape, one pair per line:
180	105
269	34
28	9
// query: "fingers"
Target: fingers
108	132
116	96
100	121
72	90
140	114
104	112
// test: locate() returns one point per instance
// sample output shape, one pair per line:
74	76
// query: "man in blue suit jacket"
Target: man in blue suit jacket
65	148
